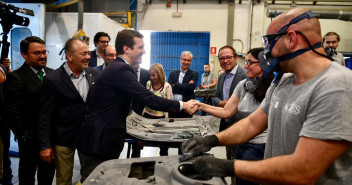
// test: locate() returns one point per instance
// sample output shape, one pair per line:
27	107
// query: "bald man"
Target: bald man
109	55
306	111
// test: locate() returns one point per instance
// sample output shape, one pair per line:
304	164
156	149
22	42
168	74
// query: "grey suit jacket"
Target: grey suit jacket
240	75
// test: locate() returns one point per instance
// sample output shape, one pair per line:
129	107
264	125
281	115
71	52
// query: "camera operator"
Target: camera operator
7	64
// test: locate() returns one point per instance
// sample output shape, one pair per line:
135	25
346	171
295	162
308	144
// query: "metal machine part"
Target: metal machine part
204	92
154	170
174	130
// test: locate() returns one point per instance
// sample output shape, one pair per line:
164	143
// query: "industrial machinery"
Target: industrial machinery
170	131
204	92
154	170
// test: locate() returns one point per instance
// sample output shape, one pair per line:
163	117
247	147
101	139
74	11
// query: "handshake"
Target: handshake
192	106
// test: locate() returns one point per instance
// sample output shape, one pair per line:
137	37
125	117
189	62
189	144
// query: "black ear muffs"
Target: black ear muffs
251	85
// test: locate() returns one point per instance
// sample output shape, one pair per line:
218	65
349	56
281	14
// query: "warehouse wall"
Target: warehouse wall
211	16
61	26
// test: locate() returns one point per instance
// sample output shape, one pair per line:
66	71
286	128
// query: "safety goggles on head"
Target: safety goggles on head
270	40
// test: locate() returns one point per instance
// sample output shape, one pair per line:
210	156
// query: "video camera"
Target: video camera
8	16
8	19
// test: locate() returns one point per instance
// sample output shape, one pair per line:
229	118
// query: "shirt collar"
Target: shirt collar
234	70
96	51
36	70
182	71
69	71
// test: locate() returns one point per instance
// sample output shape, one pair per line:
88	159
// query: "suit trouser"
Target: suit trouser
88	164
64	160
30	163
6	162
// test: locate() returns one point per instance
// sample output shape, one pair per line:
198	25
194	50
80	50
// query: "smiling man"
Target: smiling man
64	102
183	82
226	84
22	101
102	133
101	41
109	55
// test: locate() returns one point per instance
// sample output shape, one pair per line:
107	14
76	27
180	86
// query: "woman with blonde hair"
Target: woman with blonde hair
158	85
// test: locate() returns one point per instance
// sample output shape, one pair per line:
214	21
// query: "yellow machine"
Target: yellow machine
81	35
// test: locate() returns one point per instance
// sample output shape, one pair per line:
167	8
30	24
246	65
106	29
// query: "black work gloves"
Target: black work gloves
208	166
198	145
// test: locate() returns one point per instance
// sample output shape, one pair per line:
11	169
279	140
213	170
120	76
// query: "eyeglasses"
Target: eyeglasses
267	39
104	42
37	53
222	59
111	54
249	63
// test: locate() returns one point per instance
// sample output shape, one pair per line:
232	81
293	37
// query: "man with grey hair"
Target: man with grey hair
65	97
183	82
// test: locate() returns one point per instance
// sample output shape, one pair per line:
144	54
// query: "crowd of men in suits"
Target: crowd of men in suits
83	104
46	108
53	113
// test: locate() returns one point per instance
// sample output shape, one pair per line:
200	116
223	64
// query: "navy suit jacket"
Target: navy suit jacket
93	59
241	74
185	88
102	132
22	100
137	106
63	109
99	68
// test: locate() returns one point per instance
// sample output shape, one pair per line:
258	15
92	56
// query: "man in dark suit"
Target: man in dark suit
183	82
143	78
102	133
227	82
138	107
65	94
109	55
22	101
101	41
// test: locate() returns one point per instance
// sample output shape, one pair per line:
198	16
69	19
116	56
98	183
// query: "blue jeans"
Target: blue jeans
249	152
